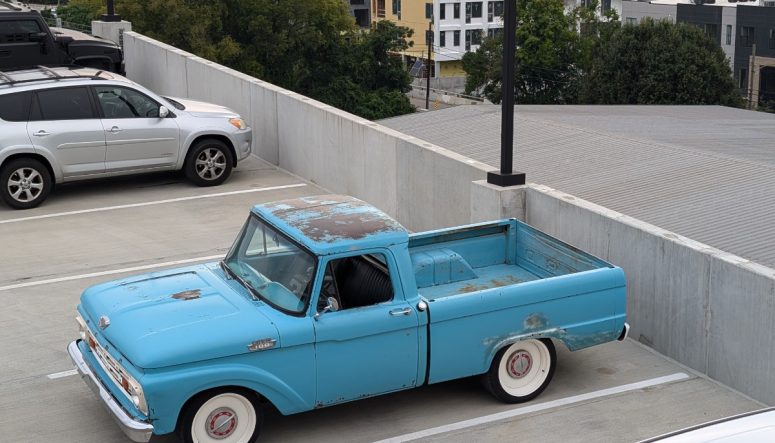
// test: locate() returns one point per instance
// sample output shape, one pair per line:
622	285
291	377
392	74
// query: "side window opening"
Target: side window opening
358	281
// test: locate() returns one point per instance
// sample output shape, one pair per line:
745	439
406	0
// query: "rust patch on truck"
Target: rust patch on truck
187	295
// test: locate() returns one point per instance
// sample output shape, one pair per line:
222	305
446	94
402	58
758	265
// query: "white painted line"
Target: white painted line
111	272
150	203
62	374
535	408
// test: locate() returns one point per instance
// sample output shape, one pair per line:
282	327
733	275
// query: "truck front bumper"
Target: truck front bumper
137	431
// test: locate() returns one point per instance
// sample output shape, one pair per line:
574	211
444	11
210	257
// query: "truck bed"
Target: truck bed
494	284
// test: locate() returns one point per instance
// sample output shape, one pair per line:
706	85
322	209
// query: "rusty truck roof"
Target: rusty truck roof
329	224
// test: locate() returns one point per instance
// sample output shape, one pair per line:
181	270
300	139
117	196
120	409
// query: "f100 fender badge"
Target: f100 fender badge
261	345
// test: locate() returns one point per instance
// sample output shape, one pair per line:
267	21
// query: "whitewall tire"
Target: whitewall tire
223	416
521	371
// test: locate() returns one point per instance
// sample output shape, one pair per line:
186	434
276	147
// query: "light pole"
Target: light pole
505	176
111	16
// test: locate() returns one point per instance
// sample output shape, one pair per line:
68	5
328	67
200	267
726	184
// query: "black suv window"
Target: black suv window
13	31
15	107
118	102
63	104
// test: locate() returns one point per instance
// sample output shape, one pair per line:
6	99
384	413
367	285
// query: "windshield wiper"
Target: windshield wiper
232	274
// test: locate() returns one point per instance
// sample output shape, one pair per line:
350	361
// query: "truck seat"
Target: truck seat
362	282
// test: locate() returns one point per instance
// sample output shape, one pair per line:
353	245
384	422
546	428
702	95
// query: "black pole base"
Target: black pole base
500	179
110	18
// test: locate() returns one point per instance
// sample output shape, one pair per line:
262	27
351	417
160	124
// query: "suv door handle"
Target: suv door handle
114	130
404	311
41	133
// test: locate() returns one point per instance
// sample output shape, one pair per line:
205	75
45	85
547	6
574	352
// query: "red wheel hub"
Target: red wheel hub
519	364
221	423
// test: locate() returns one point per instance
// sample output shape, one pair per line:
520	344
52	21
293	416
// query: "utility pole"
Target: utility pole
428	70
505	177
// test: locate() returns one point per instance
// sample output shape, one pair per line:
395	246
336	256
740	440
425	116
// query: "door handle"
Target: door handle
114	130
41	133
404	311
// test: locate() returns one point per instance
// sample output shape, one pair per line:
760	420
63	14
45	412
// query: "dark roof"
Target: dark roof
705	172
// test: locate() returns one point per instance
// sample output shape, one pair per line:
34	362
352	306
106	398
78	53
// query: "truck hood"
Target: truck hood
175	317
204	109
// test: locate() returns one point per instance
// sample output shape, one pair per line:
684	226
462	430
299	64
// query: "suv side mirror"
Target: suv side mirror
163	112
38	36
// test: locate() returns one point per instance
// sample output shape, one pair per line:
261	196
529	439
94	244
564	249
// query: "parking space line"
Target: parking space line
111	272
150	203
535	408
62	374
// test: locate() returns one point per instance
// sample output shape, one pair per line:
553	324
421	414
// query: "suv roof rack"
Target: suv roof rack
6	79
11	6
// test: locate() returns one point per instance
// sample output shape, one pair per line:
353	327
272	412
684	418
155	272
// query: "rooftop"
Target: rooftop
705	172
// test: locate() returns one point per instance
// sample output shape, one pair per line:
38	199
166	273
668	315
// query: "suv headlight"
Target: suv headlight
238	123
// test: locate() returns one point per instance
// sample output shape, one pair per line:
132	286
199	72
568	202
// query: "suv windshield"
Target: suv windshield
272	267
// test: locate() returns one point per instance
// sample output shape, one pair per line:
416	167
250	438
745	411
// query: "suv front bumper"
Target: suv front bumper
137	431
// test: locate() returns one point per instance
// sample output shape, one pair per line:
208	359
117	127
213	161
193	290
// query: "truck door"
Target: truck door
24	44
369	346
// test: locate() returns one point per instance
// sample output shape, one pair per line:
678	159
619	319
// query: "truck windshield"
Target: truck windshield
272	267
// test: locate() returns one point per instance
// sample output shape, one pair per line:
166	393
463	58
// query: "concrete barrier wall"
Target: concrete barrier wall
420	184
713	311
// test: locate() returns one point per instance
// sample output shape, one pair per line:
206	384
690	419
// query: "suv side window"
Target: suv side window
15	107
63	104
17	31
118	102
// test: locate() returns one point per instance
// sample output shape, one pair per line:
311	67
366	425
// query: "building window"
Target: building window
494	32
357	2
476	37
729	34
442	38
747	36
743	78
456	38
442	11
631	21
381	8
456	10
362	17
494	9
606	5
772	38
711	30
468	40
429	10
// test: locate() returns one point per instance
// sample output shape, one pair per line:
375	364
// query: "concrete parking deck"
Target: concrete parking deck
94	231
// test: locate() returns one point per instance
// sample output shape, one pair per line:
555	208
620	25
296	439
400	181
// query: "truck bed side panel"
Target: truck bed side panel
581	310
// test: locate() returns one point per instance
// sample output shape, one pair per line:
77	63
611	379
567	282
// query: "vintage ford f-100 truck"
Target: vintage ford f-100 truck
326	299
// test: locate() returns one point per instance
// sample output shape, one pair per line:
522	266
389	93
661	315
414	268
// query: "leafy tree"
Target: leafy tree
312	47
657	62
546	57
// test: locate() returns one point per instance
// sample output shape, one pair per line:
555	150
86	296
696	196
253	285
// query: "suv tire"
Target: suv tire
208	163
24	183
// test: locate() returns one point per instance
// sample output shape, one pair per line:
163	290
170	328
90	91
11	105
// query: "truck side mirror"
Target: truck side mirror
331	306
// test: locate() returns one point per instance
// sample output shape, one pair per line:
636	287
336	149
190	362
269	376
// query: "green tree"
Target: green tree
658	62
548	50
312	47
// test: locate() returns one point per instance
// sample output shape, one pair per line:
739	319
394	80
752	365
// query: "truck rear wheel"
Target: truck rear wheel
521	371
222	416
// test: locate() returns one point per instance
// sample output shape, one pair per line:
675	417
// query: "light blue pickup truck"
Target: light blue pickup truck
326	299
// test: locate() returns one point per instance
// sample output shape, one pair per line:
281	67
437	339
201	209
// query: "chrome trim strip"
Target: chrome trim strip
136	430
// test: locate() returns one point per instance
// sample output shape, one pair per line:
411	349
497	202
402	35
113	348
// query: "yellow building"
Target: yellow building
412	14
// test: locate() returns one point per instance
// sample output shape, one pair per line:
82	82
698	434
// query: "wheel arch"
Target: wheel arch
36	156
220	137
555	335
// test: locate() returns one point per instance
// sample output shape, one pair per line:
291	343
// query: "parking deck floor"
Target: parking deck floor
94	231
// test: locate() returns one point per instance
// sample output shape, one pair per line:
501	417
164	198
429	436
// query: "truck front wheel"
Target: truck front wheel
521	371
222	416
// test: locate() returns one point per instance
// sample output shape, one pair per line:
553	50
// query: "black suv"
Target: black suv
26	41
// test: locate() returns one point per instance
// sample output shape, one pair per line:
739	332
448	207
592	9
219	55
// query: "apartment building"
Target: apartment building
361	10
458	26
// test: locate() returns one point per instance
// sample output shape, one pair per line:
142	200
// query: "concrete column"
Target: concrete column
110	30
491	202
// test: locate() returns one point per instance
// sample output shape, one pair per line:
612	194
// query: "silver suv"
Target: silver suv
65	124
